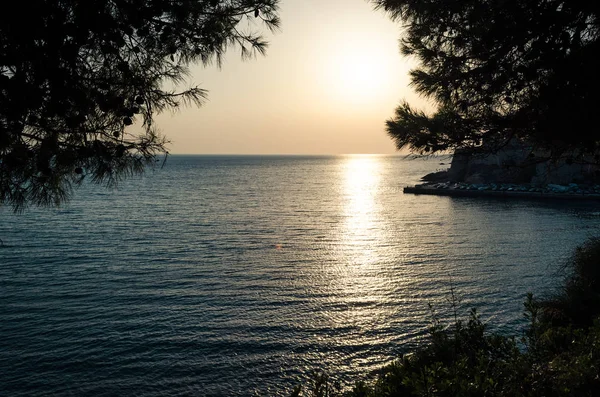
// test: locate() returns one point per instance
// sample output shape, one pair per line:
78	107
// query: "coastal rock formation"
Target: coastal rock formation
517	164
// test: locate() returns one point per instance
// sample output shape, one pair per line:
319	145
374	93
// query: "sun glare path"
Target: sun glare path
361	232
358	280
361	178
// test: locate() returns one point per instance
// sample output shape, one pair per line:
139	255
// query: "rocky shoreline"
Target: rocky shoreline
572	191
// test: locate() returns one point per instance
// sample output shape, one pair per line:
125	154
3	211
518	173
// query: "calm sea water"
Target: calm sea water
234	276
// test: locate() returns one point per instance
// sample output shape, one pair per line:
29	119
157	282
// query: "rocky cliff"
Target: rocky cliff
517	164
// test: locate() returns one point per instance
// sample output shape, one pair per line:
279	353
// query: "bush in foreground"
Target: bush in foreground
559	354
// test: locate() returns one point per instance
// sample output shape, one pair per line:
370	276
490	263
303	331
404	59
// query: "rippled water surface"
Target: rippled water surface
234	276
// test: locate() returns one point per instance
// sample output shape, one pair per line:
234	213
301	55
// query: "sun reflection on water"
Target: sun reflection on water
359	283
361	183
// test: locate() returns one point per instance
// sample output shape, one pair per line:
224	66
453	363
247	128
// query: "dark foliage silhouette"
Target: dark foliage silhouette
558	354
501	70
81	81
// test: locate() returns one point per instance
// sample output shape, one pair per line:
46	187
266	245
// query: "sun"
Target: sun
358	76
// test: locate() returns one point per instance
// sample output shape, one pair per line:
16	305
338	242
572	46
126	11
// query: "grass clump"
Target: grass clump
559	354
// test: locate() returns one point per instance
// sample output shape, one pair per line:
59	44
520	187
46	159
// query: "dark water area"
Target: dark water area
238	275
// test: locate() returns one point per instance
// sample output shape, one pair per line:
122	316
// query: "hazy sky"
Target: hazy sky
331	78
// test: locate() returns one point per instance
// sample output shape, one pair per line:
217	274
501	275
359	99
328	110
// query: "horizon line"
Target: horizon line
301	154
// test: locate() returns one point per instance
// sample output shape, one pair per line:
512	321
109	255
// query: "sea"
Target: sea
245	275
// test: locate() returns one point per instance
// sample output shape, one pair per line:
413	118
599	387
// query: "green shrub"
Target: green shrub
578	302
559	355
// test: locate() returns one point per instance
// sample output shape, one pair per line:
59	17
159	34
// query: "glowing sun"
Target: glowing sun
358	77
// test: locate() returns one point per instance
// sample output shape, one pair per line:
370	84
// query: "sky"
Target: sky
332	76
